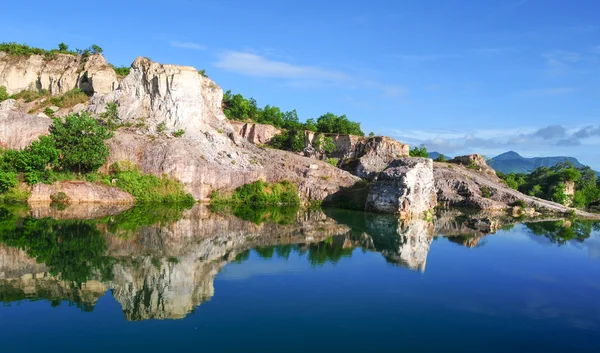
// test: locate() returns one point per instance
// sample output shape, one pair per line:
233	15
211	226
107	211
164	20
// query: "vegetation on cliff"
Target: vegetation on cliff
551	184
260	193
236	107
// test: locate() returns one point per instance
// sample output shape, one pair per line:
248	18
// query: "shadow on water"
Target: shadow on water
161	262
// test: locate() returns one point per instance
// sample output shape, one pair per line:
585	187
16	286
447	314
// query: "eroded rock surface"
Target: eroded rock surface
405	187
58	74
79	192
18	130
255	133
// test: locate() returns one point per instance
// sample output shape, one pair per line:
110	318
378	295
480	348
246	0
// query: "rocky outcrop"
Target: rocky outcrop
459	186
165	98
373	155
255	133
57	74
406	187
474	162
77	210
79	192
18	130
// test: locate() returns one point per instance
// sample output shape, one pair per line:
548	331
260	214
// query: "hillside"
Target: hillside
512	162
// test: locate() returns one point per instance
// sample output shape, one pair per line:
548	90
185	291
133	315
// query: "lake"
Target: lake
157	280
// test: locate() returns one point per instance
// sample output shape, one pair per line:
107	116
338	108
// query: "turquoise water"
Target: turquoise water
333	282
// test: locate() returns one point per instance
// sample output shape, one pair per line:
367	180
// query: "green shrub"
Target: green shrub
161	127
559	194
441	158
202	73
111	116
60	197
288	141
420	151
150	188
30	95
70	98
333	161
485	192
121	71
49	112
3	94
179	133
8	180
261	193
80	138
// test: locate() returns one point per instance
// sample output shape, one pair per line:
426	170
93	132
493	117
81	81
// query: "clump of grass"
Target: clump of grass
179	133
149	188
485	192
121	71
519	203
333	161
261	193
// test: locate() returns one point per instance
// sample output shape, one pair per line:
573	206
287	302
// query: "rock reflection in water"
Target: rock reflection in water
162	263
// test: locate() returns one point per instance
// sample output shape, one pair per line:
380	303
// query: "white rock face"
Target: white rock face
58	75
18	130
177	97
405	187
7	104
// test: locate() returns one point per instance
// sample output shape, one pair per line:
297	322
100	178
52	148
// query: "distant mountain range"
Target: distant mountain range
512	162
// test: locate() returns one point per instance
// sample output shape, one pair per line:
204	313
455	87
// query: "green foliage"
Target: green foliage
485	192
49	112
559	194
441	158
371	134
8	180
60	197
328	145
15	49
333	161
288	141
333	124
549	184
202	73
121	70
111	116
161	127
261	193
258	214
179	133
30	95
420	151
150	188
561	232
80	138
3	94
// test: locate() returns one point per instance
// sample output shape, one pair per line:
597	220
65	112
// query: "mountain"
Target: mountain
434	155
511	161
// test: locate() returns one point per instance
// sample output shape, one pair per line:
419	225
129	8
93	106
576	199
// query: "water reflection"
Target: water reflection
161	263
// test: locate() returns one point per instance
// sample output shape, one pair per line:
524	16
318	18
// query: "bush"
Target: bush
485	192
111	116
441	158
333	161
8	180
60	197
121	71
150	188
179	133
161	127
70	99
80	138
288	141
3	94
420	151
261	193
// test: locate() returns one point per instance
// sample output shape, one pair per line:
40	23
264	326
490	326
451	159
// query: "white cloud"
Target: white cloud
187	45
255	65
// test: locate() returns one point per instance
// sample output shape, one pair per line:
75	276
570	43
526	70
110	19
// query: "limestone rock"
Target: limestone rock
170	96
372	155
7	104
80	192
405	187
18	130
58	75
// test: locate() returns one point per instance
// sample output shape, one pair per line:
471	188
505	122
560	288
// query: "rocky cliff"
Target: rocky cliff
57	74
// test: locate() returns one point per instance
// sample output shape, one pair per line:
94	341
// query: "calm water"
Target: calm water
154	280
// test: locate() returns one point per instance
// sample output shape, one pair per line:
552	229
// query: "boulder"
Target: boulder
373	155
405	187
18	130
7	104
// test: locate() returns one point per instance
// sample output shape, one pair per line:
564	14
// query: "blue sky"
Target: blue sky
460	76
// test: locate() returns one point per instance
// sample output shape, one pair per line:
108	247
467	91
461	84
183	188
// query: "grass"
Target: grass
333	161
17	194
148	188
67	100
485	192
261	193
121	71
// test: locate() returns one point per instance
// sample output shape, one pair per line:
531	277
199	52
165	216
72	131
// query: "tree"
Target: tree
81	140
94	49
333	124
63	47
420	151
